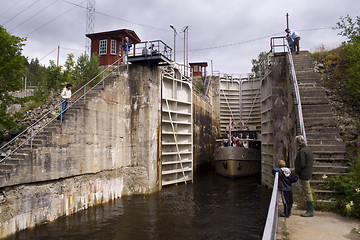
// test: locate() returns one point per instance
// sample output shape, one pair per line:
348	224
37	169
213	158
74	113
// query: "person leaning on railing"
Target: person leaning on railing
296	37
303	169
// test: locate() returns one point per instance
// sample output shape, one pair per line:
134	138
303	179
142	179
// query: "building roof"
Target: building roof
116	34
199	63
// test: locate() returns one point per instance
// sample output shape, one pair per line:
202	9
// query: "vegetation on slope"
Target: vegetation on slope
49	81
342	77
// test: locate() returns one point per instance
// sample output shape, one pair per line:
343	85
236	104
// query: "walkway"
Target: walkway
323	226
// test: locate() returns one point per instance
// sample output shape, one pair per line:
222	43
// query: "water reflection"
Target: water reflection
213	207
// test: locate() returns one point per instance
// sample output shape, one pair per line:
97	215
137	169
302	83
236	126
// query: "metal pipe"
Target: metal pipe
271	220
175	33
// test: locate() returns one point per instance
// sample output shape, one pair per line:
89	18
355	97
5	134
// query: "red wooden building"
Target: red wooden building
198	69
108	44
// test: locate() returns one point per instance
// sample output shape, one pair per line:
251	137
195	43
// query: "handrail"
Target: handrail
286	46
272	217
31	127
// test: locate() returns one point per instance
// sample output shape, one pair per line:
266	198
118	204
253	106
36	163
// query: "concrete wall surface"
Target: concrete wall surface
106	148
204	138
278	117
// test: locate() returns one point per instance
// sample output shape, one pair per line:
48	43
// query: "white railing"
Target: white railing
272	217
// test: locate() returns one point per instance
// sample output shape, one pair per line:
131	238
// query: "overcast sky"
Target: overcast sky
228	32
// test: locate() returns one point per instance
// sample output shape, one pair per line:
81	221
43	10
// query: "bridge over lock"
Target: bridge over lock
143	125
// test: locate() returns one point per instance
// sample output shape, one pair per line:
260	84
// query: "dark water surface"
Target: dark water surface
213	207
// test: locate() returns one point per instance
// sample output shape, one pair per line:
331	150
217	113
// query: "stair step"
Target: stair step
325	195
324	142
4	172
331	168
327	148
325	175
14	161
329	154
8	166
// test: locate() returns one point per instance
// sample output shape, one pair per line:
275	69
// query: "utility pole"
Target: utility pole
90	24
58	56
186	54
173	28
287	20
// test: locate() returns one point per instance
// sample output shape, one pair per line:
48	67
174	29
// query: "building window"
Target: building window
113	47
103	47
195	68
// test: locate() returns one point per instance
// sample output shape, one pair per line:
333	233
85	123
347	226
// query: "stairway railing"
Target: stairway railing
286	48
31	129
272	217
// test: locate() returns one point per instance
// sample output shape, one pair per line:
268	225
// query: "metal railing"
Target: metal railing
272	217
31	129
149	48
284	45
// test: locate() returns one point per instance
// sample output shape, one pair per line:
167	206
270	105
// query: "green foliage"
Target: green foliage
348	186
86	69
343	64
35	73
11	75
258	64
49	80
342	74
349	28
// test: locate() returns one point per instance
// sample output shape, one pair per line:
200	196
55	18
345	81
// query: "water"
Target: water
213	207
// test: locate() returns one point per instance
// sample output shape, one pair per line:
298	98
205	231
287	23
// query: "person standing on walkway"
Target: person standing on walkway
66	97
126	48
296	37
286	178
303	169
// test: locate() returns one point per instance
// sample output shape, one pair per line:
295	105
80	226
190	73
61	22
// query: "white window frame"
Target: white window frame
113	47
196	68
103	47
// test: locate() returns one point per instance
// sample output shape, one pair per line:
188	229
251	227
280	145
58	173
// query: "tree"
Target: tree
36	72
12	71
258	64
351	53
349	28
69	71
86	68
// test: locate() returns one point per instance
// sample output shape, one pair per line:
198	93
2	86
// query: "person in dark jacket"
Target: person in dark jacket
286	178
126	48
303	169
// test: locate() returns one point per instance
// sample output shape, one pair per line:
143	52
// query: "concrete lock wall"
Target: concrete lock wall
203	135
278	120
206	117
105	149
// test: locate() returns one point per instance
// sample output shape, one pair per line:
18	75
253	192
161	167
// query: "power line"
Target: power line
232	44
256	39
48	54
72	49
121	19
53	19
33	15
22	11
11	7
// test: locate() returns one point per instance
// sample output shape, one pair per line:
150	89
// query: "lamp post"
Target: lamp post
173	28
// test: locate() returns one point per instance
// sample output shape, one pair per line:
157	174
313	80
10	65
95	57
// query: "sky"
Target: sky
226	33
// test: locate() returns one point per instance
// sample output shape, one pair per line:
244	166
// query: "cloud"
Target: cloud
229	32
